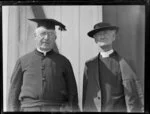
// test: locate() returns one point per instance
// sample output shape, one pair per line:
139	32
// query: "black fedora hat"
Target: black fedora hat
100	27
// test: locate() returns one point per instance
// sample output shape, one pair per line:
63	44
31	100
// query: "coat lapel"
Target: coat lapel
97	70
97	99
93	91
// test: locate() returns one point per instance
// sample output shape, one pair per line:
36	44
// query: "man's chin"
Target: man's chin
102	44
45	48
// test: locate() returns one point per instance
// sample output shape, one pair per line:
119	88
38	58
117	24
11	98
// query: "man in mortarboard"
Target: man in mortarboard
109	83
43	80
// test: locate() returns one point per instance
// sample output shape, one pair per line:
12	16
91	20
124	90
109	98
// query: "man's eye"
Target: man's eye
50	33
44	33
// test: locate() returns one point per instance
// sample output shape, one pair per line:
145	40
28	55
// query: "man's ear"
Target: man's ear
95	40
115	35
34	35
55	37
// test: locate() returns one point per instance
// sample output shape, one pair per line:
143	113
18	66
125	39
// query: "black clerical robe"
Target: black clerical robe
42	80
124	77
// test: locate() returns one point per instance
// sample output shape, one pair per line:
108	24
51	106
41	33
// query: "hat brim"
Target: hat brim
91	33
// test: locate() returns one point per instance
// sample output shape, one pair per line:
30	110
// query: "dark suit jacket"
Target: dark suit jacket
92	91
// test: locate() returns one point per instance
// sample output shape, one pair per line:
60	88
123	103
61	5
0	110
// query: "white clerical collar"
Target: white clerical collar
44	52
107	53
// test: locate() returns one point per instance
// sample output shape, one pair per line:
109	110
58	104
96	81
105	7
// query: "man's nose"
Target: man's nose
102	37
46	37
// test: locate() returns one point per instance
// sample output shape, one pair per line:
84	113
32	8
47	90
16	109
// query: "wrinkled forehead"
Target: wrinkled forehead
43	29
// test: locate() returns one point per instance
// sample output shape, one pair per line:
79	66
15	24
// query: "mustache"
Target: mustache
47	42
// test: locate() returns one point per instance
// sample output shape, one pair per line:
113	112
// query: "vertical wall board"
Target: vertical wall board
5	12
70	38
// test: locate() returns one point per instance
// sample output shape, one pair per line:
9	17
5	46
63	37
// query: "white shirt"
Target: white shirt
44	52
107	53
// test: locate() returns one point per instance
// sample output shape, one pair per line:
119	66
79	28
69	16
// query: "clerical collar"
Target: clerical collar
107	53
44	52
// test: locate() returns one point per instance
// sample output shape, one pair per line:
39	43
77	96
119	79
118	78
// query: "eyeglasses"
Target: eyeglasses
104	33
47	33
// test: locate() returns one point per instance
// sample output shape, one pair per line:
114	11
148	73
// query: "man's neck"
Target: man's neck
106	50
106	54
43	51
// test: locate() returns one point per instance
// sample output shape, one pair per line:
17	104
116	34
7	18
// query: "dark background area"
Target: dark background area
130	43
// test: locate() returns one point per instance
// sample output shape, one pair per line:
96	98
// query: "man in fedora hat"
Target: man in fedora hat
43	80
109	83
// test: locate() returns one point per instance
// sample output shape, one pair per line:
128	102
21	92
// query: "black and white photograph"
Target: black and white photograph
73	58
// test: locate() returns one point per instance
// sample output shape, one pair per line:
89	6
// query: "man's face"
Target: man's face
45	38
106	37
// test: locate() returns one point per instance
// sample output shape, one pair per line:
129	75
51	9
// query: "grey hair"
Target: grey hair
37	29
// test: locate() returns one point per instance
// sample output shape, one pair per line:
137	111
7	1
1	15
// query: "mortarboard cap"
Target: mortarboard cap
49	23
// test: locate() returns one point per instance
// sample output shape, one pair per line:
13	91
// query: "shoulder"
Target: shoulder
92	60
61	58
116	56
27	56
59	55
22	60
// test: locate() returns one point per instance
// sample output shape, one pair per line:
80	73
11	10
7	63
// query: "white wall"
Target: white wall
73	43
5	40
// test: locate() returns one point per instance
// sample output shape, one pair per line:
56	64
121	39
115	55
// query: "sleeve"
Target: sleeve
85	81
132	88
15	88
71	87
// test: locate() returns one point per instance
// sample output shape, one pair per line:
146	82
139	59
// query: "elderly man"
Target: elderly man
109	83
43	80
